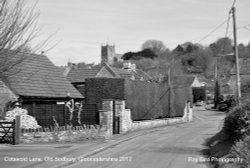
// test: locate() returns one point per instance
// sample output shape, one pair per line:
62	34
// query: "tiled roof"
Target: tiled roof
77	75
183	80
129	74
37	76
122	73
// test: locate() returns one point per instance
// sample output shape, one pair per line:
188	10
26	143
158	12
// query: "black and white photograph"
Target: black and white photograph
124	84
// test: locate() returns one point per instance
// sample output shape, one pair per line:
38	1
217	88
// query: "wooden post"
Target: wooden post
17	130
33	109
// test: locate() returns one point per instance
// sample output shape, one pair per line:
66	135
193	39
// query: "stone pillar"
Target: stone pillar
106	118
125	117
107	104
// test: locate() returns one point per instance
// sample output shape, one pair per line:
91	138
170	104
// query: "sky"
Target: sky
77	28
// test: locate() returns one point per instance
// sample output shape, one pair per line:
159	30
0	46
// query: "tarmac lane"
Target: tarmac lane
176	146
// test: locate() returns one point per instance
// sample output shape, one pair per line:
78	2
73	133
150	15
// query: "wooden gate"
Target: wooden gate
7	132
10	131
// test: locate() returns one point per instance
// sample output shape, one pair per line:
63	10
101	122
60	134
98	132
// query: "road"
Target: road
176	146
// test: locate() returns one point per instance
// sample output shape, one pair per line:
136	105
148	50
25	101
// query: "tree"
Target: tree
244	51
222	47
146	53
17	30
156	46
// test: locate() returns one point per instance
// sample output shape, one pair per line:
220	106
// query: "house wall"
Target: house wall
104	73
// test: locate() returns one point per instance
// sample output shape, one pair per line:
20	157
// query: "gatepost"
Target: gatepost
106	117
17	130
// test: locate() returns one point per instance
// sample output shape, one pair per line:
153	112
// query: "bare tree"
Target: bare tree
156	46
17	30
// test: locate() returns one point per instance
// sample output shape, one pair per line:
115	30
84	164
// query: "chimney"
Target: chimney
133	67
129	66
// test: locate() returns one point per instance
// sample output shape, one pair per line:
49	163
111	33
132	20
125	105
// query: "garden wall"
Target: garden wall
126	124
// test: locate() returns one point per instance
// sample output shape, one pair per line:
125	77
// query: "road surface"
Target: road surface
177	146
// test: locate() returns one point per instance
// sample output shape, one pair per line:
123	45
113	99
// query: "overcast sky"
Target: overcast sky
80	27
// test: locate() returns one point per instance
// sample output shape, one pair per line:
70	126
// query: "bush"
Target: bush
241	150
236	123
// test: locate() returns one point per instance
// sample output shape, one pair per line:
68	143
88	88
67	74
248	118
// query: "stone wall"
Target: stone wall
62	135
126	123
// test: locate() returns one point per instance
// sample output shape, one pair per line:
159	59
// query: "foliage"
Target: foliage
156	46
146	53
188	58
245	87
199	94
236	123
144	63
194	58
241	150
221	47
217	94
244	51
27	121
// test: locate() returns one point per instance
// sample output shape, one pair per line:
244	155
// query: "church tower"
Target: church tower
108	54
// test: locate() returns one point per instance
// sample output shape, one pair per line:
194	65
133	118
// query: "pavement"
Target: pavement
174	146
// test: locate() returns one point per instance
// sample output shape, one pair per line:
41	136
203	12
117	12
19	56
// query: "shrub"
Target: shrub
241	150
236	123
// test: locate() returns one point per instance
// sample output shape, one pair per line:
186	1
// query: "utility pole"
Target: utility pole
217	86
236	54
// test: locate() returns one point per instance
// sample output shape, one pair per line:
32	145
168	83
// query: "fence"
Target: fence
44	114
89	115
